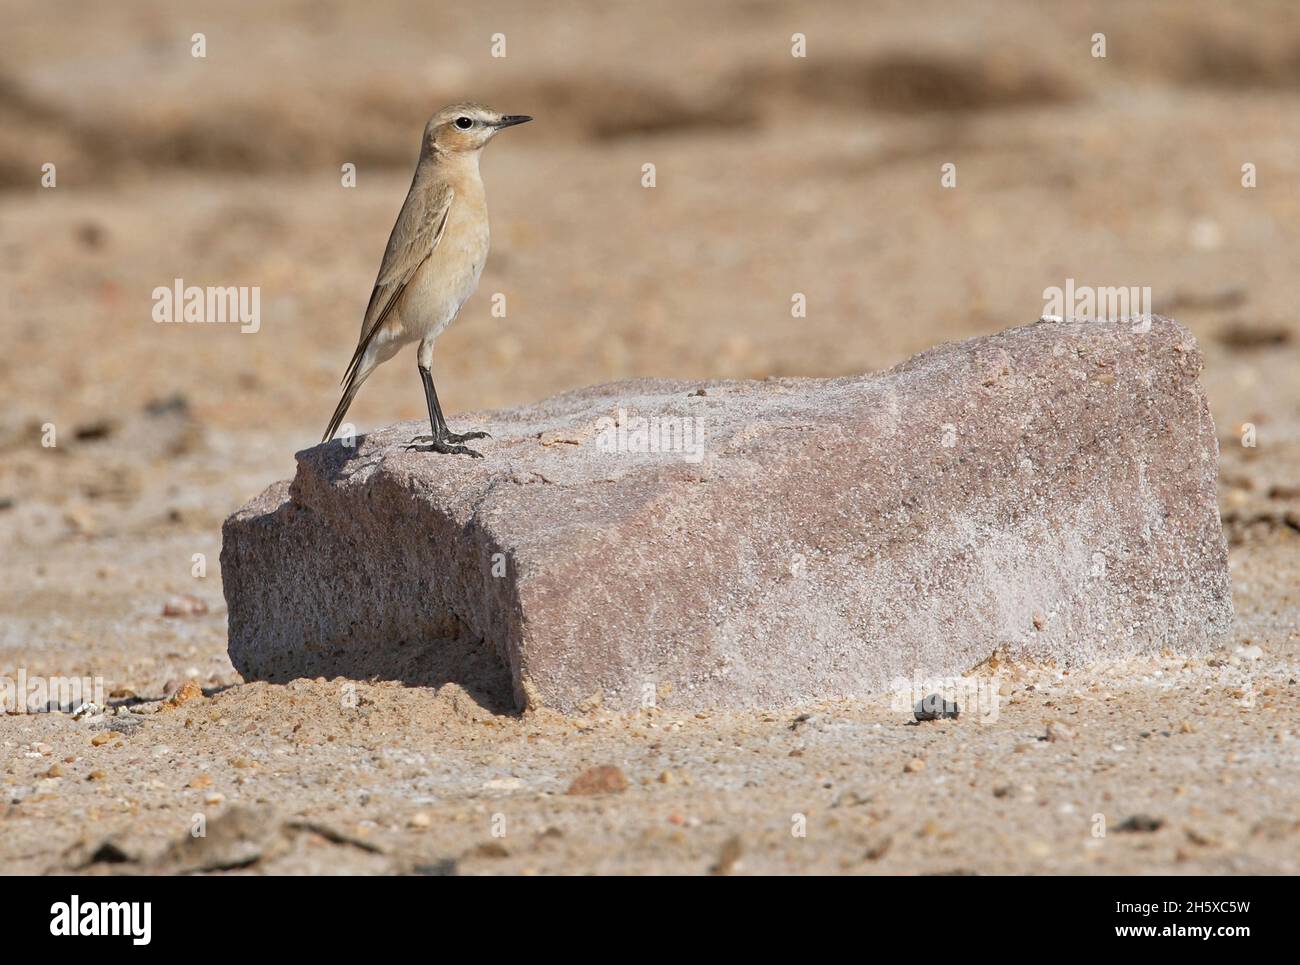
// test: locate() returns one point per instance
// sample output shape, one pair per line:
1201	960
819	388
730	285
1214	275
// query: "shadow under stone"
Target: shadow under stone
469	663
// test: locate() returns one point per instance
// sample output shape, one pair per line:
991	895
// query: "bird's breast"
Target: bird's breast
449	276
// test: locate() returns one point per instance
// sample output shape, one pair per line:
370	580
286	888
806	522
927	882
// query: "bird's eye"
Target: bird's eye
464	123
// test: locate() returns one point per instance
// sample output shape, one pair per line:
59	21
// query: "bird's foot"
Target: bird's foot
465	436
444	445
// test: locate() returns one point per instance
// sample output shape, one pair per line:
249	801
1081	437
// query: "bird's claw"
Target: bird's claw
442	445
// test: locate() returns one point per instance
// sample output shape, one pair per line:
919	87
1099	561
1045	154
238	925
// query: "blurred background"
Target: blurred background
775	175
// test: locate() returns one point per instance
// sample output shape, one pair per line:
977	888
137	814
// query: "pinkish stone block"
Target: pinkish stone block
1049	490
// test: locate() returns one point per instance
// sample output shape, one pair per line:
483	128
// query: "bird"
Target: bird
432	263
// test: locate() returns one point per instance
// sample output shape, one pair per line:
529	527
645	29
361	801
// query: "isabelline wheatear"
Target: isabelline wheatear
433	261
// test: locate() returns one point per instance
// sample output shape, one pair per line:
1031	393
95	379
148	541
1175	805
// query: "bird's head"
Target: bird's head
463	128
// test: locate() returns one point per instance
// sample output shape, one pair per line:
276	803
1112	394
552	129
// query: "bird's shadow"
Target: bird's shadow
335	460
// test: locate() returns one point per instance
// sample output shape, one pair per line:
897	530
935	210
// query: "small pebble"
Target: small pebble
728	856
599	780
934	707
190	690
1141	823
1057	732
801	720
184	605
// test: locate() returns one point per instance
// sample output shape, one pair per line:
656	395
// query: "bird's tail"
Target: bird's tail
356	375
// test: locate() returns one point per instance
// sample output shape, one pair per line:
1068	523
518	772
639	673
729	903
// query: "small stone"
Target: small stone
200	782
419	821
913	766
1275	828
1141	823
56	770
491	849
110	852
214	798
103	737
1187	727
190	690
728	856
96	776
184	605
934	707
1058	732
599	780
879	849
801	720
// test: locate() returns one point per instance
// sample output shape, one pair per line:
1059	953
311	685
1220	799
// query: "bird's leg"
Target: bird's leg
441	440
436	422
436	410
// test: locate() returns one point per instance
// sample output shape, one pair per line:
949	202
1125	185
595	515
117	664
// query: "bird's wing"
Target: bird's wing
419	228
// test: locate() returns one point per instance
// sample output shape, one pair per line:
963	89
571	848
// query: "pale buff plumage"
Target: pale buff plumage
433	261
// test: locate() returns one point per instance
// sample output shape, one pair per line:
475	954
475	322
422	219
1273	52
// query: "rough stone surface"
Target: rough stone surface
1049	491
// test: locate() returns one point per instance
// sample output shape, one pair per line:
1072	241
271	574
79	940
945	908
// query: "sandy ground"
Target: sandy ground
775	175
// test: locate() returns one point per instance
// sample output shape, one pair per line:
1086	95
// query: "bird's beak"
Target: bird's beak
510	120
